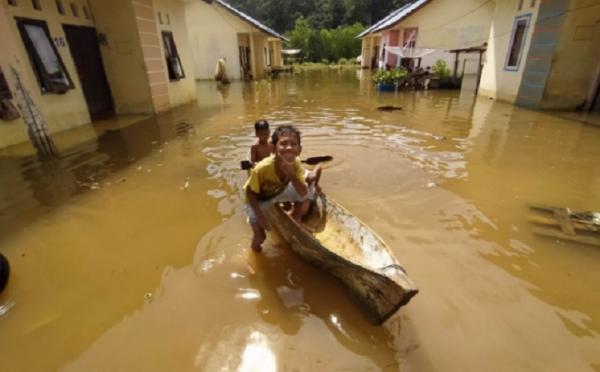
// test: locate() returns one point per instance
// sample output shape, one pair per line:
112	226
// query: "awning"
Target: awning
290	51
409	52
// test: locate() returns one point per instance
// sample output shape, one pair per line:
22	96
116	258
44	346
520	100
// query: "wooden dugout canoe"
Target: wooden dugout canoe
344	246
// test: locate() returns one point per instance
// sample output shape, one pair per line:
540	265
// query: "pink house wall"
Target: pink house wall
390	38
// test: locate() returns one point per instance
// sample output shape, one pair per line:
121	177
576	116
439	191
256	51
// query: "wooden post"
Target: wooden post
479	68
455	63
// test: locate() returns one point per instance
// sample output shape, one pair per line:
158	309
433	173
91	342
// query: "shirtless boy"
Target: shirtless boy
263	148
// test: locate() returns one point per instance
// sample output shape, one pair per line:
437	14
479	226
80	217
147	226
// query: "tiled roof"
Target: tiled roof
250	20
394	17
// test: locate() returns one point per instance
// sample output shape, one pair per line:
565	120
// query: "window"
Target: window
12	2
520	5
60	7
4	89
160	21
172	57
410	37
86	13
517	41
45	60
36	4
532	4
168	19
74	10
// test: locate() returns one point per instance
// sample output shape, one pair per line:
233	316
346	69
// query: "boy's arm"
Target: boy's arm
298	183
253	154
254	204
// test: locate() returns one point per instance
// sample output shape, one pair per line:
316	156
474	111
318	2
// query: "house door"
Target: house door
83	44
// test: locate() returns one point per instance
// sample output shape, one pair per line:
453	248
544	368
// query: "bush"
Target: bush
342	61
325	61
389	76
440	69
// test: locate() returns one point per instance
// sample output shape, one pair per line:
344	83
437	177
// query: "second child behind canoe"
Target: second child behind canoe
262	148
276	179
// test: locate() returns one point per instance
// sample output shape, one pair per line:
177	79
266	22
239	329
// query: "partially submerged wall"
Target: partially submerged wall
497	81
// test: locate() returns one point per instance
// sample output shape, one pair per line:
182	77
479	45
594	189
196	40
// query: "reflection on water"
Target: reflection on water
130	249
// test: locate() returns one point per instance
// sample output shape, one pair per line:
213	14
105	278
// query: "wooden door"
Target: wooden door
83	44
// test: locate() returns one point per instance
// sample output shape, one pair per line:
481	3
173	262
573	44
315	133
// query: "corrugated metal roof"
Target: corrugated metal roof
394	17
378	23
250	20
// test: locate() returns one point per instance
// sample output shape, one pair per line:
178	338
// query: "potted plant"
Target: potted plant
441	75
386	80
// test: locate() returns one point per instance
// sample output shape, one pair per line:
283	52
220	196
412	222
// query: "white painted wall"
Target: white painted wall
496	82
213	34
184	90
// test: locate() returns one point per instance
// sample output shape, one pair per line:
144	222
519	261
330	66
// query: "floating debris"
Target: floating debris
186	185
139	168
148	296
389	108
431	184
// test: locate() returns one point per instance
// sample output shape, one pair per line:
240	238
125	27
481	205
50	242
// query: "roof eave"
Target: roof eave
253	22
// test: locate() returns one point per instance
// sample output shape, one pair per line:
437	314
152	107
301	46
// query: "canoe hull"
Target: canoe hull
377	291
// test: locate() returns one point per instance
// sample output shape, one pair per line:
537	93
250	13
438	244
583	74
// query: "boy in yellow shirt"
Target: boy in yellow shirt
276	179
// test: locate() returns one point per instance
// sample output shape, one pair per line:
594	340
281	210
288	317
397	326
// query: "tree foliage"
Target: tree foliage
281	15
323	29
325	44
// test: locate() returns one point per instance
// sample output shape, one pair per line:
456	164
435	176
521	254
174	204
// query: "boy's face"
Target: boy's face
263	136
288	148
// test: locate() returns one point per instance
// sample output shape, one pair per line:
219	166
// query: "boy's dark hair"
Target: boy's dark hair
284	129
261	125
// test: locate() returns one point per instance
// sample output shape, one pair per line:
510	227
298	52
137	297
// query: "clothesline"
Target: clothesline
404	52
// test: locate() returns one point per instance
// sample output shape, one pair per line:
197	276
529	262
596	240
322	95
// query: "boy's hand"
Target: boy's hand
289	169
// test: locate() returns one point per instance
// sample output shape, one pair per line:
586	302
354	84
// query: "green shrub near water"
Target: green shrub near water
389	76
342	61
440	69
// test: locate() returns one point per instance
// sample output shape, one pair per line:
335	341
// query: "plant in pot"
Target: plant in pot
386	80
441	75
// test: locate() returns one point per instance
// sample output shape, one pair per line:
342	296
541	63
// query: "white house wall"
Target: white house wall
496	81
214	34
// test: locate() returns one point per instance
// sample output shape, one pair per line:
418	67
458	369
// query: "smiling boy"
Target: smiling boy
277	178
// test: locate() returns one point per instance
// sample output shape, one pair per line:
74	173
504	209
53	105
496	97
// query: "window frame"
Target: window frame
5	92
60	7
86	12
518	19
74	9
167	37
43	77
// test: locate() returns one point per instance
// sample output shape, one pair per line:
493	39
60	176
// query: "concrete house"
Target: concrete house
544	54
83	60
217	30
441	25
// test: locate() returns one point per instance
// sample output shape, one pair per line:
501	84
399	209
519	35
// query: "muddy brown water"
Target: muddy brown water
130	250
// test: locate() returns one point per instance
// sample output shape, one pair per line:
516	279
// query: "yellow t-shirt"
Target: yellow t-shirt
263	179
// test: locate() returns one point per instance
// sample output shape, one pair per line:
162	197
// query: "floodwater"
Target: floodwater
130	250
